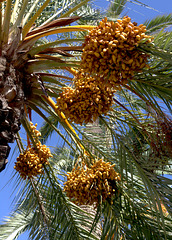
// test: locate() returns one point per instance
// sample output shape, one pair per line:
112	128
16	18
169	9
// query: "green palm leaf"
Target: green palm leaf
158	23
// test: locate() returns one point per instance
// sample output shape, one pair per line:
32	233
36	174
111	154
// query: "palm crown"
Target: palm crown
116	82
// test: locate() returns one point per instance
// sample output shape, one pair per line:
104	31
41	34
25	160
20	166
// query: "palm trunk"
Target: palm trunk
11	106
92	211
96	131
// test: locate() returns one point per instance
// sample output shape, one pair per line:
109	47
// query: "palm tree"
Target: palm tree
141	208
18	56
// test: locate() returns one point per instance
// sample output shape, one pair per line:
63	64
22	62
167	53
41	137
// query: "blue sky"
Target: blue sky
138	14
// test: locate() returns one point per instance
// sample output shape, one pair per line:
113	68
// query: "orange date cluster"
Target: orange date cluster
87	185
87	101
30	162
110	58
110	50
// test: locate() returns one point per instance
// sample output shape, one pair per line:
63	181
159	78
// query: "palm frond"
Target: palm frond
49	213
6	23
158	23
46	130
74	8
14	225
140	3
116	8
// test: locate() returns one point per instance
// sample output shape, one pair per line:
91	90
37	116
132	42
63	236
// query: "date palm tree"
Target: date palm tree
20	58
138	129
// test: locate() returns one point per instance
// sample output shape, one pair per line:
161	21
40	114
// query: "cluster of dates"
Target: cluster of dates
88	185
110	50
87	101
110	58
30	162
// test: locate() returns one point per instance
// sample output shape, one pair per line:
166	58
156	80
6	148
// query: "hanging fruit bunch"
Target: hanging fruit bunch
110	58
87	185
110	50
86	101
30	162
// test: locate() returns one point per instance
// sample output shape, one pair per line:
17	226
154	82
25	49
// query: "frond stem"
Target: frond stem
74	8
71	70
42	47
19	142
28	140
50	101
20	15
33	19
6	22
41	206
